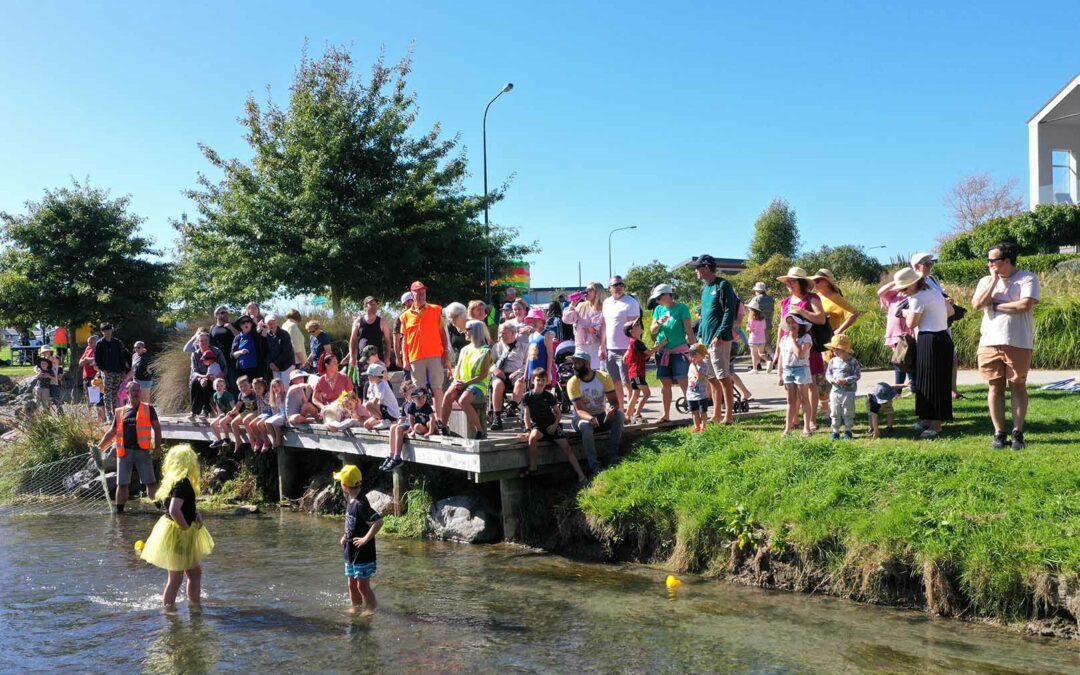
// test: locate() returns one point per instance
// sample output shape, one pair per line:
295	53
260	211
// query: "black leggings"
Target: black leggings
200	398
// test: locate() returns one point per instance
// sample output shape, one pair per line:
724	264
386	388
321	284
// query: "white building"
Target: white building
1054	147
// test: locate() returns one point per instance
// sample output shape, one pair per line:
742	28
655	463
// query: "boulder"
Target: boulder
381	502
246	510
463	518
26	386
329	500
6	383
78	479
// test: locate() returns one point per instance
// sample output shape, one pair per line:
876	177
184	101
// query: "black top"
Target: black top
222	338
140	364
359	517
131	433
421	414
250	402
371	334
458	341
541	408
279	349
109	356
183	490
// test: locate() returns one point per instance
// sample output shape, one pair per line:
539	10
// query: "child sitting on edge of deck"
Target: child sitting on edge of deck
345	413
225	409
542	415
380	401
415	421
362	523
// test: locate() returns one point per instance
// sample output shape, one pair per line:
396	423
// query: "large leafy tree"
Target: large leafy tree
342	196
77	256
845	262
641	279
776	232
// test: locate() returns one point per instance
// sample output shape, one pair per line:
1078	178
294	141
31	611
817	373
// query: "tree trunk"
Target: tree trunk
73	362
335	299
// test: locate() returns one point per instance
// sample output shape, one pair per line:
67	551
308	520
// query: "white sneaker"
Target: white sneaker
384	424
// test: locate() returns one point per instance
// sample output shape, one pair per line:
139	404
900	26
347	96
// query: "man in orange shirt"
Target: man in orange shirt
427	349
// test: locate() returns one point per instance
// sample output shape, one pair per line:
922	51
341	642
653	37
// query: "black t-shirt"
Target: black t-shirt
421	414
250	402
183	490
131	433
222	338
541	408
359	517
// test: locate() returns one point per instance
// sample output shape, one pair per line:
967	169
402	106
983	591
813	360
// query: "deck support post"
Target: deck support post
512	496
399	486
286	479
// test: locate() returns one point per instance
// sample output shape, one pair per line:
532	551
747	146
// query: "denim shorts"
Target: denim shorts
363	571
797	375
678	367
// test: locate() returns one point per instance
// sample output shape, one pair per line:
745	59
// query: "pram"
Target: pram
564	371
738	405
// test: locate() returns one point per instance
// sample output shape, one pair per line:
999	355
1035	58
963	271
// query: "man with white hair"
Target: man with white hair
279	351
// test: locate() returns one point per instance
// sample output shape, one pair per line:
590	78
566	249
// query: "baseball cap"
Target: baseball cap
508	306
271	317
349	476
922	255
417	286
407	296
704	260
376	369
582	355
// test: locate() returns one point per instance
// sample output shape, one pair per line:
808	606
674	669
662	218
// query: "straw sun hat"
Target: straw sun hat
904	278
794	273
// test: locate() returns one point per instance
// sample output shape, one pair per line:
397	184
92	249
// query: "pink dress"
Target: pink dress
757	332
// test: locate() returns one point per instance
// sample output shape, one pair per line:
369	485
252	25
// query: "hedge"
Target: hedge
970	271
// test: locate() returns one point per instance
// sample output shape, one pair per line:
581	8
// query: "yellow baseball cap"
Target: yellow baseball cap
349	475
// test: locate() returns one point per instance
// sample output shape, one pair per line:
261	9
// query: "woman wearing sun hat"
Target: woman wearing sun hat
671	322
928	315
804	302
841	315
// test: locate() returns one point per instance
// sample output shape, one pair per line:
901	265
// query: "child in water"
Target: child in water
179	541
361	524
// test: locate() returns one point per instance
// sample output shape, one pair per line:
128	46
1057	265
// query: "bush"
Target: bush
1040	231
845	262
49	438
970	271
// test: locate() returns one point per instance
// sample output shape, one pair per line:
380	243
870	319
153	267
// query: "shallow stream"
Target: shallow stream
73	595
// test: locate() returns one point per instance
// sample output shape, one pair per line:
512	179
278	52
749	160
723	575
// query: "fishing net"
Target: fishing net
72	486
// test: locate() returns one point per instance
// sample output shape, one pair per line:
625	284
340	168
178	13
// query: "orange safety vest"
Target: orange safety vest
143	428
422	330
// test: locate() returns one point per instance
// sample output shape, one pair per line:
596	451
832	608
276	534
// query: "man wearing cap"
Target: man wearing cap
719	307
596	408
923	263
764	303
1007	297
618	310
222	334
399	339
279	351
111	359
427	347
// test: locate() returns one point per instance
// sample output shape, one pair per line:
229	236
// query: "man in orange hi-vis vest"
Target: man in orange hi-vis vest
136	426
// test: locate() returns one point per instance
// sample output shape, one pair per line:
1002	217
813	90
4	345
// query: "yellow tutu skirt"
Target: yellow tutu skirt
172	548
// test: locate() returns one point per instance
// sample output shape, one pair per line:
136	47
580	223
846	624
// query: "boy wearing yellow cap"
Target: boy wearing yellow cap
361	524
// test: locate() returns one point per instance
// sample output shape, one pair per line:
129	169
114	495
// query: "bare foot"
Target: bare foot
367	611
170	610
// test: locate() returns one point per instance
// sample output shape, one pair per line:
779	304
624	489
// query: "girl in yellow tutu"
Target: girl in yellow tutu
179	540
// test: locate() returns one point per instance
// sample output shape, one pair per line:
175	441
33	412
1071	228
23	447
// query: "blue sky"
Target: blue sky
684	119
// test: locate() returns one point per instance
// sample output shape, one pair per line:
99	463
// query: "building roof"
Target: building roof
1056	99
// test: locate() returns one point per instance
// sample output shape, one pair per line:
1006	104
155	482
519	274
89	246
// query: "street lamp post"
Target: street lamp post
617	229
487	225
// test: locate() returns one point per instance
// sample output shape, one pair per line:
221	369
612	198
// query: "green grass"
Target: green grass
46	438
995	527
13	371
413	522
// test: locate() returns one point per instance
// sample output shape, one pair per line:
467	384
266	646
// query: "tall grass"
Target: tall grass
48	438
980	531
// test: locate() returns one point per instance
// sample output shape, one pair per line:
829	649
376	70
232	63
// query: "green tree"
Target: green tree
1034	232
775	233
777	265
77	256
845	262
641	279
341	197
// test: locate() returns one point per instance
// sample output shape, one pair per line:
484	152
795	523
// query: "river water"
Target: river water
73	595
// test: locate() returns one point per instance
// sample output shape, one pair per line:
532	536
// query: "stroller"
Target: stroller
738	405
564	371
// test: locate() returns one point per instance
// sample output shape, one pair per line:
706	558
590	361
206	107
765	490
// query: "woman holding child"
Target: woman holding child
672	325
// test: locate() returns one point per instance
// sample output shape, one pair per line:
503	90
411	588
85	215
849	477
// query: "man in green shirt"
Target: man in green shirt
719	307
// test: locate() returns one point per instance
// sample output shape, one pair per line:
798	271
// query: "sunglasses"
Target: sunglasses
617	285
991	261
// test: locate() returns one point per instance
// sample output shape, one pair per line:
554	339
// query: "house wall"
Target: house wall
1043	139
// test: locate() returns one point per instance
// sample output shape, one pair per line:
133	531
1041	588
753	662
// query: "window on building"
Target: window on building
1063	172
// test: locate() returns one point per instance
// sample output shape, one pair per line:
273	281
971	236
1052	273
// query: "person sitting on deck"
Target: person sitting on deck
331	384
507	373
588	390
345	413
542	415
299	407
225	409
470	383
379	399
415	422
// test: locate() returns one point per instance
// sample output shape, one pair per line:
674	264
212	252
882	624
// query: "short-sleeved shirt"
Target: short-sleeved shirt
186	493
790	351
935	311
674	330
325	392
359	517
697	388
315	348
635	359
382	393
541	408
225	401
1015	330
296	336
422	330
296	397
719	309
837	310
593	392
509	358
222	338
421	414
131	431
249	402
617	313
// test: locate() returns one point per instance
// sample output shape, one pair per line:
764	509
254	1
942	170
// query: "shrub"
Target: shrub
845	262
1040	231
970	271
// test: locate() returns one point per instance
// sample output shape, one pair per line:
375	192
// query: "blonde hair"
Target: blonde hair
598	299
293	314
275	385
180	463
313	325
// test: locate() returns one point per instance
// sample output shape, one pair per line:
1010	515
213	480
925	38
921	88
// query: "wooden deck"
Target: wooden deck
500	455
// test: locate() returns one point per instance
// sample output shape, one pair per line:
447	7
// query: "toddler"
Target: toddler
843	374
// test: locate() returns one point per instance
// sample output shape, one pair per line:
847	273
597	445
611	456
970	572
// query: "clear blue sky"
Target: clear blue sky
685	119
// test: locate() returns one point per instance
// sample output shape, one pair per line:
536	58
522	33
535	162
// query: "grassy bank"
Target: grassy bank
949	525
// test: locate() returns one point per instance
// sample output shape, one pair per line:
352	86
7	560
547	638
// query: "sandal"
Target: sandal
529	473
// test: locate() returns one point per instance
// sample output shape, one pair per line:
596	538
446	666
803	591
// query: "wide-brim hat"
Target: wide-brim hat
921	256
840	341
827	275
536	314
657	291
760	287
903	278
298	373
753	303
794	273
797	319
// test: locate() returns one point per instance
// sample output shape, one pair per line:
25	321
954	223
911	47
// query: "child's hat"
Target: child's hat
798	319
209	355
297	374
376	369
349	476
535	314
840	341
883	393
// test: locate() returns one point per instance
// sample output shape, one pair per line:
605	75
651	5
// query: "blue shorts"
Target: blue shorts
476	390
363	571
797	375
678	368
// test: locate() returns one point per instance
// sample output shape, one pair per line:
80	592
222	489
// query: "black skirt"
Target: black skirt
933	376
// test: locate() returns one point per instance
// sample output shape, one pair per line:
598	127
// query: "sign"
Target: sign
1067	249
517	275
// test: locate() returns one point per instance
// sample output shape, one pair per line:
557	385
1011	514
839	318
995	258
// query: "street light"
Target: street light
487	226
617	229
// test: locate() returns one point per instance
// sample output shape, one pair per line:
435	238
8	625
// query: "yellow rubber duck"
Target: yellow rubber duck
140	544
672	583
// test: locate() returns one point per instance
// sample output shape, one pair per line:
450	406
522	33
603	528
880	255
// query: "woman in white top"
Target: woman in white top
587	318
928	315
